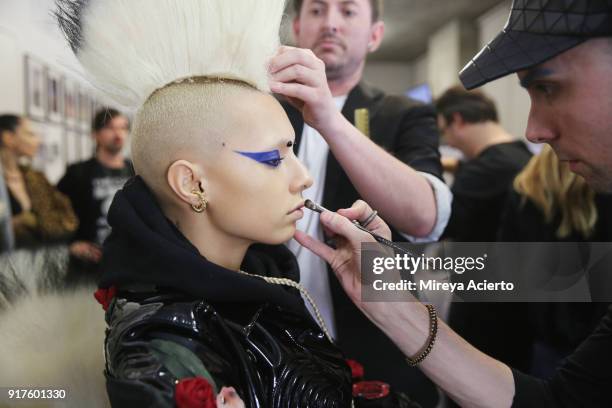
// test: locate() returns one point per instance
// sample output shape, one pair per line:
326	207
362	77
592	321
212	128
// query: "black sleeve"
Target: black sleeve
584	380
144	373
146	358
472	203
510	220
136	378
417	143
67	183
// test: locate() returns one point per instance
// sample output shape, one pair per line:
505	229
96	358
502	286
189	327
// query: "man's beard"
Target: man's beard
601	183
334	71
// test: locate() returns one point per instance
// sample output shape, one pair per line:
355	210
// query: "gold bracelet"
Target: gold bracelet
433	331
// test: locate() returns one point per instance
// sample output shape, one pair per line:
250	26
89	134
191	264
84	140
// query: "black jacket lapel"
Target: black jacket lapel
360	97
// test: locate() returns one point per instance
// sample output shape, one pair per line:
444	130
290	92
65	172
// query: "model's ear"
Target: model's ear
296	27
185	179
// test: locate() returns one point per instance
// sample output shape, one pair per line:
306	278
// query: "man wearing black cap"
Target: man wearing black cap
562	53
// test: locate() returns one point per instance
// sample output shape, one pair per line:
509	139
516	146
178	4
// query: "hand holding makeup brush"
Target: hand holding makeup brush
345	260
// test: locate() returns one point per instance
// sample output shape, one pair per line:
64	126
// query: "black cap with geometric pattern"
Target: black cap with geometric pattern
536	31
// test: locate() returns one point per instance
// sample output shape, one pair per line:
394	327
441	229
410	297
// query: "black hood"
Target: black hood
145	247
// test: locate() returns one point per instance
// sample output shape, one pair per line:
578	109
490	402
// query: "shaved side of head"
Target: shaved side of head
190	120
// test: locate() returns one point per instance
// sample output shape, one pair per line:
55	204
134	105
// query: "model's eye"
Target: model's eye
274	162
271	158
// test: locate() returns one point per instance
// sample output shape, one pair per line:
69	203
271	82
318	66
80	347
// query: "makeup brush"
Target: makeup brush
311	205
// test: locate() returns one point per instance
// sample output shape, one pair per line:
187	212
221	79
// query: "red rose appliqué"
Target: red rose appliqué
357	371
194	392
371	389
104	296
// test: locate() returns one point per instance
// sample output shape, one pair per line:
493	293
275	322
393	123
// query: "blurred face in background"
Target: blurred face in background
446	131
340	32
112	137
24	142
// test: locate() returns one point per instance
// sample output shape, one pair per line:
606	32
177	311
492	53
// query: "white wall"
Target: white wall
11	74
419	69
512	100
443	57
392	78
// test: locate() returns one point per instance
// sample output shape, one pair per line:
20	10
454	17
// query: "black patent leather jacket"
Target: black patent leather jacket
271	356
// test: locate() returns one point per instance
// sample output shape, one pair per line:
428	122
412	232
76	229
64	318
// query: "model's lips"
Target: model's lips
297	208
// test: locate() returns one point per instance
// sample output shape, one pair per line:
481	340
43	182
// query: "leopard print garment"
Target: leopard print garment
53	218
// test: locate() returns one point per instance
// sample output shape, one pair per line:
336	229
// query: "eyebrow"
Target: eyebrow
268	154
319	2
534	74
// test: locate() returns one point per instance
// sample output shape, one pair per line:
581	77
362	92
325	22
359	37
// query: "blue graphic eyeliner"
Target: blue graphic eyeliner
271	158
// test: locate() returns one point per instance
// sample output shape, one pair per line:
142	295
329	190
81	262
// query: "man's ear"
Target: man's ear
185	177
377	32
458	120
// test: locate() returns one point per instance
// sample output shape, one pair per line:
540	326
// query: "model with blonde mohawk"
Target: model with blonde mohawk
203	304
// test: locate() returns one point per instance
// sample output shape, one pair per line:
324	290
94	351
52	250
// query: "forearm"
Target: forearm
469	377
402	196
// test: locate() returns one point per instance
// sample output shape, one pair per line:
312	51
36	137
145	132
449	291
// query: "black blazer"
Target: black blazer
408	130
405	128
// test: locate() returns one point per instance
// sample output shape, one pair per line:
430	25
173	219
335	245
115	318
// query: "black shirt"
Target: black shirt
479	191
584	380
91	187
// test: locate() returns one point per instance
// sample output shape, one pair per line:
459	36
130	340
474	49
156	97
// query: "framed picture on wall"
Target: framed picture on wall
50	158
35	89
84	110
55	96
71	90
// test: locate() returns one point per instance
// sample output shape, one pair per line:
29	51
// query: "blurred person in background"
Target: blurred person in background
469	122
549	203
7	240
40	213
92	184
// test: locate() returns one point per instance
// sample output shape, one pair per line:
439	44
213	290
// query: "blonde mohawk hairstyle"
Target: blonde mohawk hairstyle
130	48
182	64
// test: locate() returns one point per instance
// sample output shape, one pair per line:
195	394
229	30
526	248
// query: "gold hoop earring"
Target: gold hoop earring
203	202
